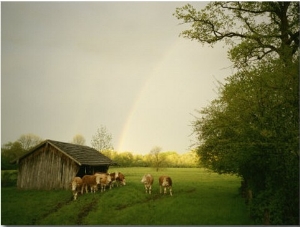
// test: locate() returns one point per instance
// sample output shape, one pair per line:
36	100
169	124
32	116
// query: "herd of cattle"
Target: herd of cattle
107	180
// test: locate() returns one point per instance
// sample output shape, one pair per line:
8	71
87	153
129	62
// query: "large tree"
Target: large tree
255	30
252	129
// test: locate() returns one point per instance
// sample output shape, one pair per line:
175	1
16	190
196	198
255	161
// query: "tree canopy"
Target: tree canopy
254	30
252	128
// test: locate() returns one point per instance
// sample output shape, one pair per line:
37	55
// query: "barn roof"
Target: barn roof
83	155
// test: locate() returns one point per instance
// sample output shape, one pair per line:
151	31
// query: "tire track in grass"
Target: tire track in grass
56	208
86	209
154	197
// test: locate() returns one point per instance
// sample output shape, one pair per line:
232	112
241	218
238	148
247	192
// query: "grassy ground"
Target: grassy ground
199	198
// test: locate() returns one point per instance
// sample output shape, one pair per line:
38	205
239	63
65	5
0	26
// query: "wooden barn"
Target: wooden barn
53	164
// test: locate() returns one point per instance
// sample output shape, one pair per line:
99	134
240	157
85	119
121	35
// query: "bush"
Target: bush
9	178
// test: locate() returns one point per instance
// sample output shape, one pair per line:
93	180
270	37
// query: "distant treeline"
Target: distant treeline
13	150
160	160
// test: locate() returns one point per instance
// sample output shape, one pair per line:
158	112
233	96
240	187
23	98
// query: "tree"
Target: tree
252	129
12	150
78	139
124	159
29	140
9	152
102	140
157	159
254	30
255	135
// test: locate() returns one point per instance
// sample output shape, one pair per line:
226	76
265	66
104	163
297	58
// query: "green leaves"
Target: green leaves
252	129
254	30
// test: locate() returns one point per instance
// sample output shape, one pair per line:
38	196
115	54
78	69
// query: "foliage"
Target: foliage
171	159
254	30
12	150
102	140
78	139
199	198
252	129
29	140
156	158
9	178
9	152
255	134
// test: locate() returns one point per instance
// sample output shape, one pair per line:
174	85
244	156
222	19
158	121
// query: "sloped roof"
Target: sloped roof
83	155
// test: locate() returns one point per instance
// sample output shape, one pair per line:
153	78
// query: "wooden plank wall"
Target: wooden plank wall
46	168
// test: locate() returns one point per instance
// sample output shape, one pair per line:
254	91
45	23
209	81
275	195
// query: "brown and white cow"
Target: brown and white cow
120	179
117	178
91	181
166	183
147	180
105	180
76	186
113	177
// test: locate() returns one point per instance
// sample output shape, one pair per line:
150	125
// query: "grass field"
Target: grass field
199	198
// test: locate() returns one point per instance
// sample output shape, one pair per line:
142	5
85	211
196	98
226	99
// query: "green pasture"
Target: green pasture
199	198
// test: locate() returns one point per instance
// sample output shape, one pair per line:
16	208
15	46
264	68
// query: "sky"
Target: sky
68	68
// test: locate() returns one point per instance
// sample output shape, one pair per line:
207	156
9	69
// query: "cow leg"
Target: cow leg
165	190
170	189
149	189
160	189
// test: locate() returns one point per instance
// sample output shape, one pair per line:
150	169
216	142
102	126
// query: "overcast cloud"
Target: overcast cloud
68	68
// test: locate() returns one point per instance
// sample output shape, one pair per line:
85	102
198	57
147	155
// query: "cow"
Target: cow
166	183
147	180
91	181
120	179
117	178
113	181
76	186
105	180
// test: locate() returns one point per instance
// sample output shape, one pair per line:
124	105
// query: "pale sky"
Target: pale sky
68	68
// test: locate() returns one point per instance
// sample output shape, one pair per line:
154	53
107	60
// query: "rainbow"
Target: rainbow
140	95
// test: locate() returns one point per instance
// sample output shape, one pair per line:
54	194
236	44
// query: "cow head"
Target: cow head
144	179
74	185
165	182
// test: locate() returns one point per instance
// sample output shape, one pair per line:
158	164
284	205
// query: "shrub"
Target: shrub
9	178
